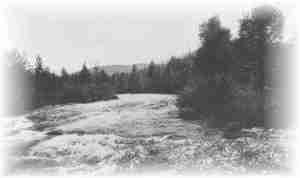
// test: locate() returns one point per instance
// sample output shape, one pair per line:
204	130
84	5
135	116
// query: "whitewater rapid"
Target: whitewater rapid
137	133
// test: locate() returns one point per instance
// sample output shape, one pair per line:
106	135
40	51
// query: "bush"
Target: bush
207	99
247	107
221	101
104	91
87	93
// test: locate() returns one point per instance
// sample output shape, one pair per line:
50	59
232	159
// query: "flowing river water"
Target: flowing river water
137	133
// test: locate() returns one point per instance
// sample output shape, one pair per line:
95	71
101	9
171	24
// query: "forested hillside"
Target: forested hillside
111	69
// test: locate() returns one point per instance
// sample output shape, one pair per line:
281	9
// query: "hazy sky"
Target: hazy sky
115	33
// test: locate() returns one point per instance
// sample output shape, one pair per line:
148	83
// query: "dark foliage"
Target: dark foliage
231	75
35	86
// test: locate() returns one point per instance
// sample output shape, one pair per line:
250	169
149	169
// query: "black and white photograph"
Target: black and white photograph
154	88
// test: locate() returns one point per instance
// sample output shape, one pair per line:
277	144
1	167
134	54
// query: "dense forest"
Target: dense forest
226	80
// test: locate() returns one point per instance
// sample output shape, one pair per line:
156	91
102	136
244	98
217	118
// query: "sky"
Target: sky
68	35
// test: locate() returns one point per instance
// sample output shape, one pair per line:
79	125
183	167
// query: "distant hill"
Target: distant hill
110	69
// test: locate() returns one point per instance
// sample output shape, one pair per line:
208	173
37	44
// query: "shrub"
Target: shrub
221	102
207	99
247	107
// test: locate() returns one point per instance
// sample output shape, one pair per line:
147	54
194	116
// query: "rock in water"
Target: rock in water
55	132
233	130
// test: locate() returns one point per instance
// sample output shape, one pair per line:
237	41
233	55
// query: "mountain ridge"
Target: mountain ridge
119	68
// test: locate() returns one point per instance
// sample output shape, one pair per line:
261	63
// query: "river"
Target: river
137	133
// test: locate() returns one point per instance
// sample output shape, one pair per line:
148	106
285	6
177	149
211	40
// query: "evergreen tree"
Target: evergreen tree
64	74
134	82
84	75
214	56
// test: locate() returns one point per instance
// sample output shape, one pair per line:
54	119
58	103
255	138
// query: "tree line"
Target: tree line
227	79
34	85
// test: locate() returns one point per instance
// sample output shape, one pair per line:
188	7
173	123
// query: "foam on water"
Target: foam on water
136	133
